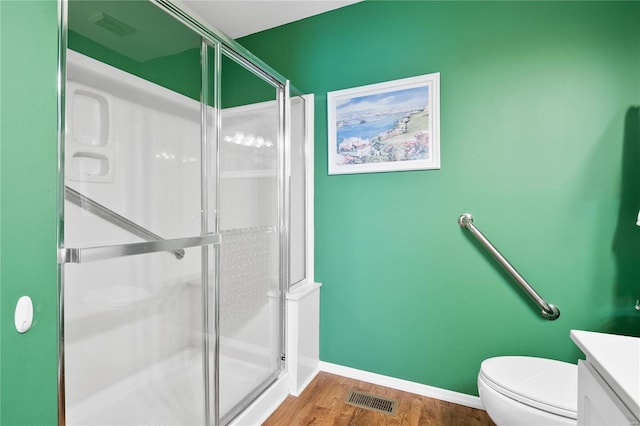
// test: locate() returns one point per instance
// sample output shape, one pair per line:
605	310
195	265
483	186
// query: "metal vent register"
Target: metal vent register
112	24
371	402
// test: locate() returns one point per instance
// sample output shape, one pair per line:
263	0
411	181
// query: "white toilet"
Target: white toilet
519	390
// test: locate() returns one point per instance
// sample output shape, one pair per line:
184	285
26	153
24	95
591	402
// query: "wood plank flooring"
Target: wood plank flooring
322	403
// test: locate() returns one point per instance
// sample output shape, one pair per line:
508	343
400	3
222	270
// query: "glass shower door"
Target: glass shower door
135	245
250	294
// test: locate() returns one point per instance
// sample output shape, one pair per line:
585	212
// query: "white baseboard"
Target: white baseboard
297	391
403	385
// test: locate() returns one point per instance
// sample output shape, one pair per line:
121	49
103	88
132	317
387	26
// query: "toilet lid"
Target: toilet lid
545	384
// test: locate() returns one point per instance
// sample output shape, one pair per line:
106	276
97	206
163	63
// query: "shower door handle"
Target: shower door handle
92	254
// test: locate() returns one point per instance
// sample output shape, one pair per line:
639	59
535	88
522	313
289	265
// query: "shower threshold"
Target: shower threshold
169	393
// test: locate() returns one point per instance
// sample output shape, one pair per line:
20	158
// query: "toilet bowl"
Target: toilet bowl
519	390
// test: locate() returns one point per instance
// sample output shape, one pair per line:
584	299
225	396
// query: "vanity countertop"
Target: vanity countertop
617	359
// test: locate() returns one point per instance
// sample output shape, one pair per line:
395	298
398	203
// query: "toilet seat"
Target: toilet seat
544	384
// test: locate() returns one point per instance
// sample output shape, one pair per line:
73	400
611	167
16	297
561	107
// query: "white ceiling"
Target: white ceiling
238	18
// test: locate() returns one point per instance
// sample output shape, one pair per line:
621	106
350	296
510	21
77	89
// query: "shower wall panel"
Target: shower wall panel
128	327
135	150
131	361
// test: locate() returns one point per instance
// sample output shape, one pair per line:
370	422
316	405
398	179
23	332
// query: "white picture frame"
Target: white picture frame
385	127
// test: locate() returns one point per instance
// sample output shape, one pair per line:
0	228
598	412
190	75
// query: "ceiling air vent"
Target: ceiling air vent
371	402
111	24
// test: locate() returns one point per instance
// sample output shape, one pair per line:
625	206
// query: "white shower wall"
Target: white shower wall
124	314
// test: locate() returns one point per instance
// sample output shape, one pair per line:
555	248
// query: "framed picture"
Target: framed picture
385	127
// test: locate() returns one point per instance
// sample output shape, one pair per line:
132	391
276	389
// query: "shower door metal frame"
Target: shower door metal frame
61	79
210	151
282	100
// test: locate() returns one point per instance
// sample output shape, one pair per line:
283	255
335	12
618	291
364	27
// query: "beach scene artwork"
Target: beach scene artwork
384	127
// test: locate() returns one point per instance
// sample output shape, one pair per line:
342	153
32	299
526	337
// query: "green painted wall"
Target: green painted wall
179	72
160	49
28	52
540	142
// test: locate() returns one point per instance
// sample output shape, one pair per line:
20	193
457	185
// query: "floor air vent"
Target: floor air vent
371	402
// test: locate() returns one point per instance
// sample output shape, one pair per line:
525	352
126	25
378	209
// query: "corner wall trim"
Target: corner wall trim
403	385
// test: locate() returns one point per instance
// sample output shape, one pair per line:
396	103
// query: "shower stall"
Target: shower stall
182	217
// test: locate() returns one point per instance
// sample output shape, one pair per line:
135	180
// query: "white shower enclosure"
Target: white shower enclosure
183	180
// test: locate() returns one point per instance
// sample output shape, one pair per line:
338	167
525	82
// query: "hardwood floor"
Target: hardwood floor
322	403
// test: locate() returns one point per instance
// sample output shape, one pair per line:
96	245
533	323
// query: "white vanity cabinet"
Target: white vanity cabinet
609	379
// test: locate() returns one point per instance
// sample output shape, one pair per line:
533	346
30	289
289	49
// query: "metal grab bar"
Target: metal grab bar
549	311
114	218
